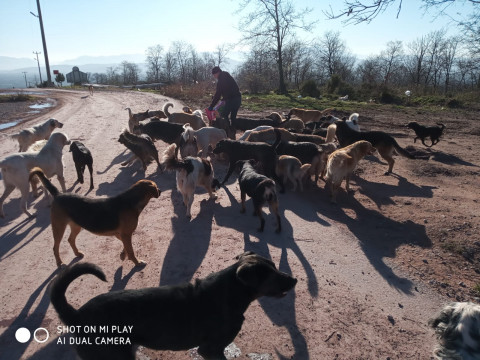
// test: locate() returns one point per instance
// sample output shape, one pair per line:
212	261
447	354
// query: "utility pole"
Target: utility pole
25	76
38	62
47	64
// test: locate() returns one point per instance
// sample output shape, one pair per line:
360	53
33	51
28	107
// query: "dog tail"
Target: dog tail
36	171
304	170
165	108
402	151
129	112
188	133
170	161
67	312
331	130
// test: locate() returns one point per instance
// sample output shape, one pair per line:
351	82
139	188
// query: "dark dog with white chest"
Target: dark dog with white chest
82	157
260	188
207	314
423	132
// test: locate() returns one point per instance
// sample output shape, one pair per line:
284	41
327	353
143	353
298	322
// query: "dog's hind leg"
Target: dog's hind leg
8	190
274	209
23	201
74	231
58	229
258	211
90	169
243	196
61	180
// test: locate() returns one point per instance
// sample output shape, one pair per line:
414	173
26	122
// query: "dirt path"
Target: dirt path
351	301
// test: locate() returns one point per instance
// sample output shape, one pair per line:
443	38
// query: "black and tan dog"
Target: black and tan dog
260	188
117	215
423	132
385	144
141	146
82	157
244	150
207	314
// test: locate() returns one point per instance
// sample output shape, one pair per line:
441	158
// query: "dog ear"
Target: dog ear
246	253
248	274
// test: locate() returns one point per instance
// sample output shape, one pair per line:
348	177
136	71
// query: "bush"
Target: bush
388	97
309	88
454	104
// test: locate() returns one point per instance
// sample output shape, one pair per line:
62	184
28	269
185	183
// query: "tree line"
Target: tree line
434	63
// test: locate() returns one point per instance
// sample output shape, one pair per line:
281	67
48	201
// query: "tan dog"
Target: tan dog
16	167
308	115
289	167
342	162
195	119
28	136
117	215
134	119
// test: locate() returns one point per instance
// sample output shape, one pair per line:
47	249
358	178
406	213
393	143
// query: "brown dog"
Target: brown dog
342	162
117	215
308	115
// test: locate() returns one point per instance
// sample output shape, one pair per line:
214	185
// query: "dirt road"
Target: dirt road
351	301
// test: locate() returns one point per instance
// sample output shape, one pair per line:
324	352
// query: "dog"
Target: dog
161	130
289	167
117	215
343	98
353	121
206	137
27	137
16	167
260	188
187	109
224	124
195	119
159	114
342	162
384	143
258	128
457	327
188	142
207	314
243	150
191	172
82	157
244	124
295	124
308	115
142	147
90	90
423	132
134	119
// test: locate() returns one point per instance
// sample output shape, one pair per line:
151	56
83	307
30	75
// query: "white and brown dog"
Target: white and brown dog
457	328
27	137
16	167
195	119
197	142
342	162
191	172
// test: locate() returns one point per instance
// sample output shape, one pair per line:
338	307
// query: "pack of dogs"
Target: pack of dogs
272	152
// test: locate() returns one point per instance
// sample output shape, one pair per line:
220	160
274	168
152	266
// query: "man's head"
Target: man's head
216	71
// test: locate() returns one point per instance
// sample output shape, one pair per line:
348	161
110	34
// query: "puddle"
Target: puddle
8	125
40	106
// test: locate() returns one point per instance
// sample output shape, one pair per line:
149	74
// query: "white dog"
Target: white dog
197	142
258	128
458	331
352	122
16	167
191	171
28	136
195	119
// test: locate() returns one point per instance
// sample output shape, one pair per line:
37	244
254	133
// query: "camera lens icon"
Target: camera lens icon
23	335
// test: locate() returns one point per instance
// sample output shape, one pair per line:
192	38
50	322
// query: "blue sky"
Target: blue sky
117	27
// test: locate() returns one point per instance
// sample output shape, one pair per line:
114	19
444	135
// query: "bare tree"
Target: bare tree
154	62
269	25
356	12
221	52
391	60
169	67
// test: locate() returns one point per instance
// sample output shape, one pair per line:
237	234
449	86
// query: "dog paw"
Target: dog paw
80	255
141	263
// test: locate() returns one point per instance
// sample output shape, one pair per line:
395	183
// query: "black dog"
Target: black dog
245	124
384	143
244	150
208	314
260	188
82	157
423	132
161	130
